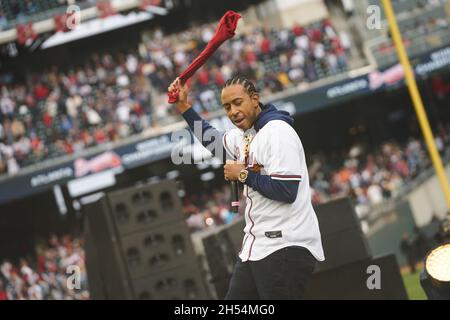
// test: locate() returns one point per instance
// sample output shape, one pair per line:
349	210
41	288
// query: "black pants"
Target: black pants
283	275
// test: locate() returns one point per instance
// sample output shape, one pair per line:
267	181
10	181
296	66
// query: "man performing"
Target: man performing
282	239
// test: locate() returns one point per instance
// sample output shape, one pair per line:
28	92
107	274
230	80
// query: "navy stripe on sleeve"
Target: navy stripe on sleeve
278	190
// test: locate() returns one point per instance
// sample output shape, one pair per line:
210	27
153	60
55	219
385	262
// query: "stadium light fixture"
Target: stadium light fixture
435	279
437	263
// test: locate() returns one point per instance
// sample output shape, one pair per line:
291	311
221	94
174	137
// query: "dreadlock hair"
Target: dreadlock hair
247	84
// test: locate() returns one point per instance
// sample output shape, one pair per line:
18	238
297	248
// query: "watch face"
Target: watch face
243	176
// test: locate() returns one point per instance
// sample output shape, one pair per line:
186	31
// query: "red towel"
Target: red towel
225	30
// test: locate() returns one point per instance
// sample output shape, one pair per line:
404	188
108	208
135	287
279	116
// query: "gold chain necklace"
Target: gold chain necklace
247	140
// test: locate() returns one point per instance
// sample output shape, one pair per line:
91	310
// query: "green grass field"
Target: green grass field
412	284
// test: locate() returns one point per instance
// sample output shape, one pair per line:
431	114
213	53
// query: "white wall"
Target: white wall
301	11
428	199
284	13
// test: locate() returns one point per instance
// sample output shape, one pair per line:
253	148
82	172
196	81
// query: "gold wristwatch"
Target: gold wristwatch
243	175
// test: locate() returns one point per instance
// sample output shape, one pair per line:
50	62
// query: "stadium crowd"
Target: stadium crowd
46	277
208	210
420	18
112	96
368	176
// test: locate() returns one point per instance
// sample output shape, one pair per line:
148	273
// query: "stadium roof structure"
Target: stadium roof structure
95	27
87	12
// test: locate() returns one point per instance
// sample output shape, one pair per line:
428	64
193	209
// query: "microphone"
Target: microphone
234	196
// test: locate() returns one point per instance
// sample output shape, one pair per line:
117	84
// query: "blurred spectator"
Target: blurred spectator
3	294
406	246
3	21
46	278
421	244
210	210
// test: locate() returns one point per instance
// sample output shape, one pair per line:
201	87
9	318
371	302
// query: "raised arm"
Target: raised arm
209	136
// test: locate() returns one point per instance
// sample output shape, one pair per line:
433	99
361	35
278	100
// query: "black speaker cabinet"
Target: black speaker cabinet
96	281
350	281
218	265
136	239
342	238
143	207
157	249
182	283
106	268
233	235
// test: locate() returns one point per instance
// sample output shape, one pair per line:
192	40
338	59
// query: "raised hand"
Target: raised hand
182	102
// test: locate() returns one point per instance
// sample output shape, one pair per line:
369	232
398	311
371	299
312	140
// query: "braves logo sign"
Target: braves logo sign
388	77
102	162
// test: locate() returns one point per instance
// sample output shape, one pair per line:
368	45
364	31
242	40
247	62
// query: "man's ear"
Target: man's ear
255	98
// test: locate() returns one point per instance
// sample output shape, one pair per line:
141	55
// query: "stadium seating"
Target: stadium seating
46	277
24	11
424	25
115	96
